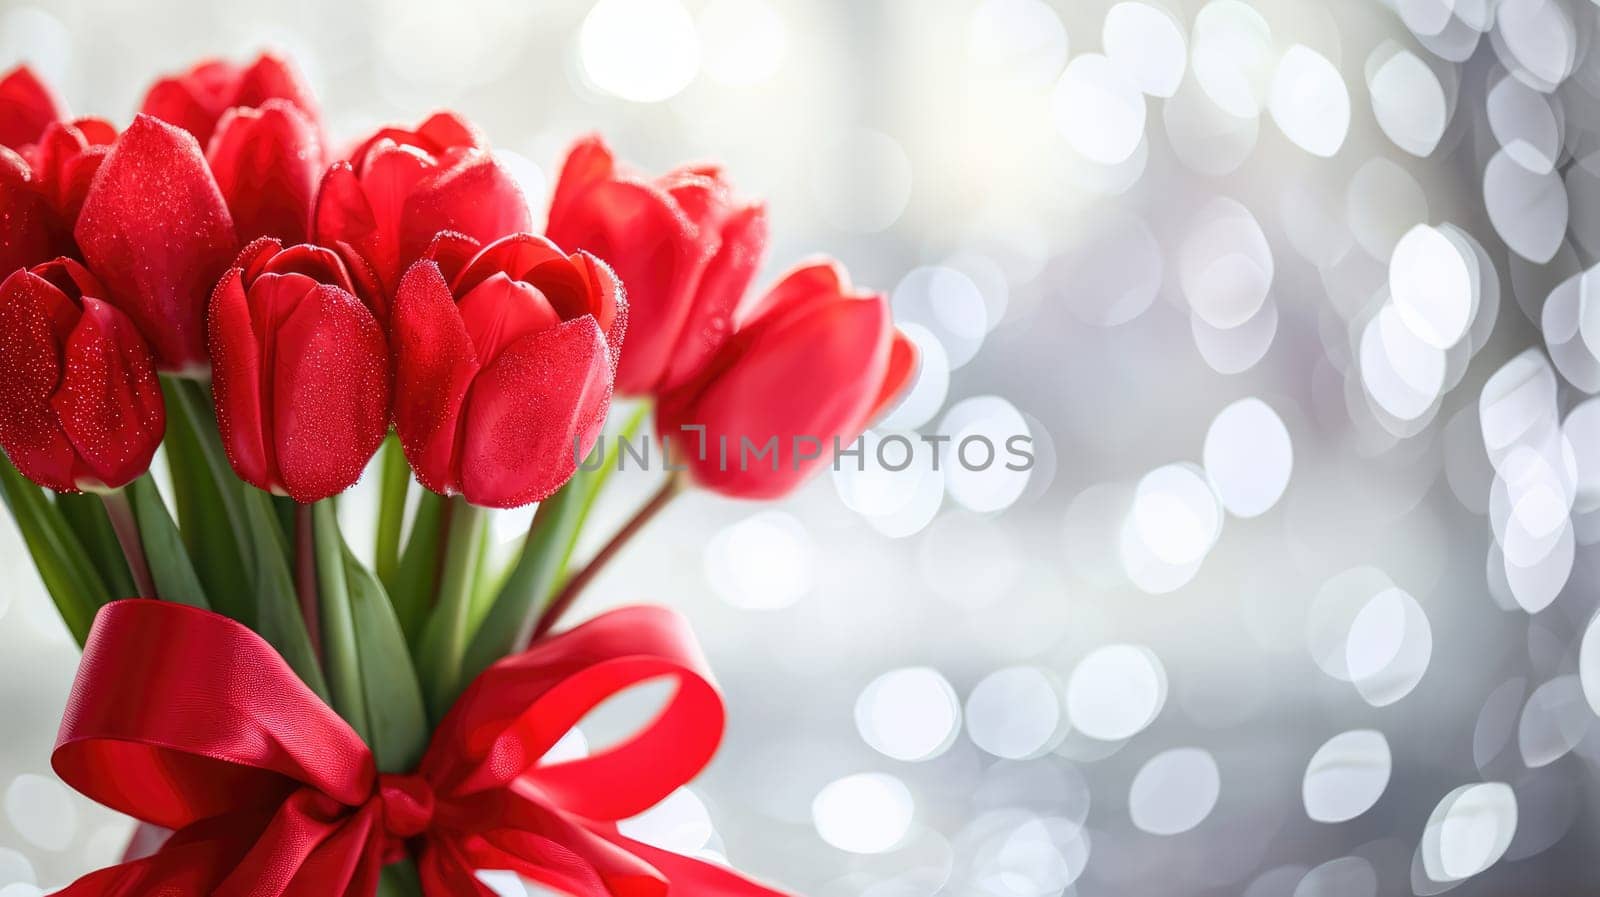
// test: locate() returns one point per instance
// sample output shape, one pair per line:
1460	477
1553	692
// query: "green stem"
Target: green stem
394	481
307	566
126	526
574	587
339	647
444	639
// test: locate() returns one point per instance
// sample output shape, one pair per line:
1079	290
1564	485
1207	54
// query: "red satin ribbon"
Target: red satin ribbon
186	719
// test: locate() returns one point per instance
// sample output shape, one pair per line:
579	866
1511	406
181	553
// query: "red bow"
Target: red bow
188	720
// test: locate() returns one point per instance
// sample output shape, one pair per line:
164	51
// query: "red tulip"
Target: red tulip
155	230
30	232
812	363
682	244
197	99
300	371
26	107
401	188
503	370
267	162
65	161
80	403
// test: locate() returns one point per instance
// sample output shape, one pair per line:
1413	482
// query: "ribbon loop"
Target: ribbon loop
186	719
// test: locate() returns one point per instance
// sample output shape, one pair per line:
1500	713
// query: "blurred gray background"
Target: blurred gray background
1292	299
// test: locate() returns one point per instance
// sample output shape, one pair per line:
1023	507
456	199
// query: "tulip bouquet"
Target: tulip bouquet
276	318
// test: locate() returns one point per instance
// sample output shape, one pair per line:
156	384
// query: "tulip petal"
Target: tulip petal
236	382
267	163
29	231
499	311
434	364
534	413
34	320
174	102
903	360
475	196
650	244
272	77
110	402
802	287
516	255
156	230
330	393
589	162
718	293
26	107
816	376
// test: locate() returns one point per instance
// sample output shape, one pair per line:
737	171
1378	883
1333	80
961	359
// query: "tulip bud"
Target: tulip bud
80	403
503	370
300	371
682	244
401	188
155	230
808	368
267	162
197	99
26	107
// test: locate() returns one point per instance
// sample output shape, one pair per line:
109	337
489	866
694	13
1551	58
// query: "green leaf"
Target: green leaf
394	482
397	718
412	586
63	565
339	644
86	516
278	616
174	575
208	501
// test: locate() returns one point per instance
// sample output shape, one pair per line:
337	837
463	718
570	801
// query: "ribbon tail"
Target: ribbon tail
691	877
191	864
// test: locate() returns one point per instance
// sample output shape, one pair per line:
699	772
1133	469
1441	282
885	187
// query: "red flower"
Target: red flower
503	371
813	360
26	107
65	161
197	99
300	371
80	404
29	230
267	162
155	230
401	188
682	244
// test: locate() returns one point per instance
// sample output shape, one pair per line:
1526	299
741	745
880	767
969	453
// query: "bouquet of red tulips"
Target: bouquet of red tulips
275	318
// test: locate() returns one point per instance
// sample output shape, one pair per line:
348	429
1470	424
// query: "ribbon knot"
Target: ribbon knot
407	804
271	794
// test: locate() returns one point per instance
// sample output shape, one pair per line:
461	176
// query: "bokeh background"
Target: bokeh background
1293	298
